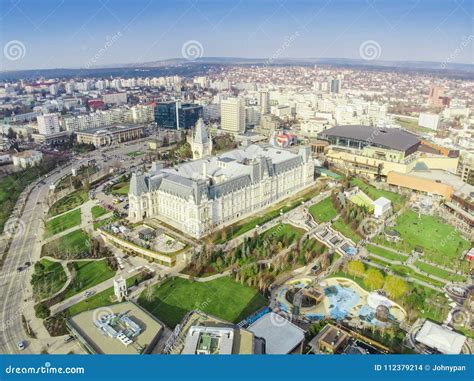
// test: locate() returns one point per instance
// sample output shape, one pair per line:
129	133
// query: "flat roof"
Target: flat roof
440	338
83	324
281	335
109	129
392	138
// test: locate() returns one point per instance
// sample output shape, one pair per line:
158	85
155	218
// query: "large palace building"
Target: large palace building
204	195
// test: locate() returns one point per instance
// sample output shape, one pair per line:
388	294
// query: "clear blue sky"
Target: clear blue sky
77	33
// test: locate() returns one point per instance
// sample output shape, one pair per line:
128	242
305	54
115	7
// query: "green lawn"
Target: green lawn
245	225
69	202
406	271
63	222
441	243
98	211
120	189
49	277
135	153
101	299
223	298
440	273
375	193
341	227
87	275
280	231
323	211
386	253
105	221
71	245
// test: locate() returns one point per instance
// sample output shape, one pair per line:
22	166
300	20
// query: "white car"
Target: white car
21	345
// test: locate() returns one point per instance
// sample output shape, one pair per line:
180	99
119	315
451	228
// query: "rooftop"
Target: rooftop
281	336
391	138
85	325
440	338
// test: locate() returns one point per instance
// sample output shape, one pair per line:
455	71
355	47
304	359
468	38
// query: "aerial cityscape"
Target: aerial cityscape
201	201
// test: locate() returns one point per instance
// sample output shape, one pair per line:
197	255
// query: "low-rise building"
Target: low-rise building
27	159
108	135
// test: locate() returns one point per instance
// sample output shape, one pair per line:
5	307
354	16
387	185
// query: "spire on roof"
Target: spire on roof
200	133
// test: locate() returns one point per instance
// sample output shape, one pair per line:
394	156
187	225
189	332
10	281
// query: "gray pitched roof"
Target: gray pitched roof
392	138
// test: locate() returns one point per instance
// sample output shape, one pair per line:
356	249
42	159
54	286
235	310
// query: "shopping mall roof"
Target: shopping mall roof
391	138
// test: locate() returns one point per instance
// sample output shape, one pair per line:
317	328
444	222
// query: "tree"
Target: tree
373	279
11	134
356	268
395	286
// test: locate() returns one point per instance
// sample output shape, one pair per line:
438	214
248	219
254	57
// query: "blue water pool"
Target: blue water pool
341	300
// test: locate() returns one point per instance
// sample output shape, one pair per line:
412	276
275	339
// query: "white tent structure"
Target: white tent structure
442	339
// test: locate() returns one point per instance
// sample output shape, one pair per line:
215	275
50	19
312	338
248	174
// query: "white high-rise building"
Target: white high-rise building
264	102
48	124
233	115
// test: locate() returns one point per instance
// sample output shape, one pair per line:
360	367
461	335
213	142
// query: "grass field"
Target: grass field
323	211
440	273
120	189
221	297
135	153
101	299
375	193
245	225
386	253
69	246
108	220
98	211
280	231
362	200
87	275
63	222
69	202
49	277
341	227
441	243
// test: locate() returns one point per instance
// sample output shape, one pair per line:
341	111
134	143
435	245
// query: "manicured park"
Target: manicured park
71	245
345	230
441	243
49	277
69	202
386	253
87	274
97	211
222	297
375	193
63	222
323	211
120	189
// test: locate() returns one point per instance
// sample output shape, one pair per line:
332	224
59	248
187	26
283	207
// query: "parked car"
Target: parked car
21	345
